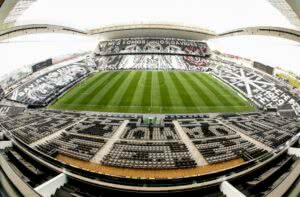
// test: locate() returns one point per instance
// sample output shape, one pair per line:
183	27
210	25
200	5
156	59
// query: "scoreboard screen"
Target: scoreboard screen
42	65
264	68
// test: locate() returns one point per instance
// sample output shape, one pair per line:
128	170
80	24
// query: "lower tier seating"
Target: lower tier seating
155	155
79	147
227	148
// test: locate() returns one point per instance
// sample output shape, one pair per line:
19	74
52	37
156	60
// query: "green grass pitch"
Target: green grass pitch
152	92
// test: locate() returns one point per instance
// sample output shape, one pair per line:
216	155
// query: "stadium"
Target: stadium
151	109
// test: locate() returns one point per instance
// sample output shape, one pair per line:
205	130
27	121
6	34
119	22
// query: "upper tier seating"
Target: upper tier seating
43	89
262	90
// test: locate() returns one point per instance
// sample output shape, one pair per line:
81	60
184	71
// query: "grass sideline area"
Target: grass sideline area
152	92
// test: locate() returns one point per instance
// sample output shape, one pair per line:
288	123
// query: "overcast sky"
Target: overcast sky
216	15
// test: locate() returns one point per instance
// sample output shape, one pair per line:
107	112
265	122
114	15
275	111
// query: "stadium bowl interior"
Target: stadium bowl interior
152	110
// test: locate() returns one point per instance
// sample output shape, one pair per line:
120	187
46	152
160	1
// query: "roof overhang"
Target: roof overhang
1	2
151	30
37	29
295	5
133	31
280	32
5	9
290	9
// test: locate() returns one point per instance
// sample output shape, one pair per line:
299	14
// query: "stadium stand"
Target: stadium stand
157	133
30	171
272	130
98	145
41	90
10	111
200	128
1	93
264	91
152	45
149	155
216	142
160	54
80	147
265	180
100	127
151	62
32	126
227	148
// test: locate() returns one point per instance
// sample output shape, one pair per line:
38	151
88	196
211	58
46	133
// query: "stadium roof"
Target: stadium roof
197	17
290	9
90	14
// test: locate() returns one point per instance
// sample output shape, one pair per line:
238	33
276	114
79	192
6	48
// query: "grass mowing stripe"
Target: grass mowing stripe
173	91
137	99
163	90
197	100
227	88
82	88
151	91
80	92
209	96
113	89
116	99
93	94
127	98
184	95
155	90
239	102
146	96
198	90
227	94
223	100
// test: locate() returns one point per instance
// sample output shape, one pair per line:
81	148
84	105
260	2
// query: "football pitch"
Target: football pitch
152	92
